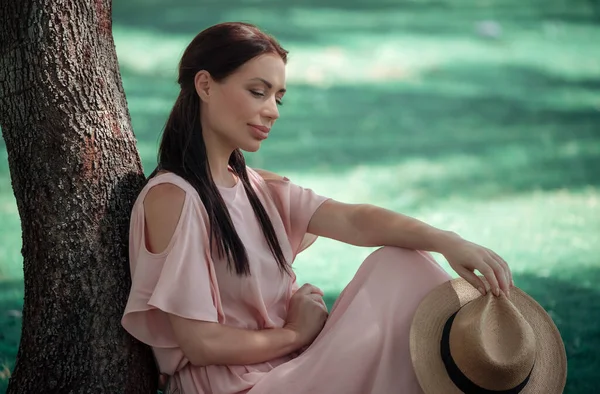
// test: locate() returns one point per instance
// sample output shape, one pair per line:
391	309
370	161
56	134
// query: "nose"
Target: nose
270	109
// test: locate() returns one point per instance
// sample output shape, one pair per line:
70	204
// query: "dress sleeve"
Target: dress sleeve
296	206
180	280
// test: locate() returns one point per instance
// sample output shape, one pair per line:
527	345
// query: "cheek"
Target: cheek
224	112
243	105
232	110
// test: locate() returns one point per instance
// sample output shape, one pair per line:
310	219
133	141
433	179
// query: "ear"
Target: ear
202	82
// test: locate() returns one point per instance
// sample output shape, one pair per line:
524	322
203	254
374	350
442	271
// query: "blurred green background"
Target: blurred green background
477	116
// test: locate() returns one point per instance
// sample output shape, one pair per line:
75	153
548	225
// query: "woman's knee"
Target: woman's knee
404	262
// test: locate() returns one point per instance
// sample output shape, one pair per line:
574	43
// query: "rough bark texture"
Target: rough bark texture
75	173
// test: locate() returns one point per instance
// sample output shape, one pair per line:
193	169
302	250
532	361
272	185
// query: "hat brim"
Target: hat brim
550	371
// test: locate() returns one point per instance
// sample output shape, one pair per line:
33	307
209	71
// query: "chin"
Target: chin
251	147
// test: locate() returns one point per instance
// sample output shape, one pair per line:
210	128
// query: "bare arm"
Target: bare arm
208	343
369	225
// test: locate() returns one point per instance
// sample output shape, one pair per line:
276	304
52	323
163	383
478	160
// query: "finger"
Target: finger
473	279
304	289
322	306
317	290
490	276
307	288
507	274
500	261
319	300
506	267
316	297
501	275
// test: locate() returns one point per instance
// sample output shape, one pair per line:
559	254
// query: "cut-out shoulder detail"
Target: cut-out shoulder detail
163	205
165	190
270	176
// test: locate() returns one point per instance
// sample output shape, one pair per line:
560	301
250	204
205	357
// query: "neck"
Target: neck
218	154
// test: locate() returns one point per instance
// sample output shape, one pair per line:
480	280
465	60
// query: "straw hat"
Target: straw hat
463	342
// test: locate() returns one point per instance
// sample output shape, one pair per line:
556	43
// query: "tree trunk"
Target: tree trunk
75	173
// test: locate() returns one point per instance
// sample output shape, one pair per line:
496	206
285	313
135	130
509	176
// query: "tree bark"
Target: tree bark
75	172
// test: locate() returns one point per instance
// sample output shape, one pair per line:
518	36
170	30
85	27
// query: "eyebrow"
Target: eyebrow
269	84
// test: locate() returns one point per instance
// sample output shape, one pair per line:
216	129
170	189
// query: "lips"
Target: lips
264	129
259	132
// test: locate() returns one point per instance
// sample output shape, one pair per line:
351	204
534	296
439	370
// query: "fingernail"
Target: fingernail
481	290
496	292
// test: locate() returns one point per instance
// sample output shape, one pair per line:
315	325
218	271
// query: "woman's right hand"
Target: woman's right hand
307	314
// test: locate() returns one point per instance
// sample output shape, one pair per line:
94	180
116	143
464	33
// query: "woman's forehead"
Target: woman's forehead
269	67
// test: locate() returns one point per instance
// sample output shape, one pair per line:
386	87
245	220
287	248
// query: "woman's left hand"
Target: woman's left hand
465	257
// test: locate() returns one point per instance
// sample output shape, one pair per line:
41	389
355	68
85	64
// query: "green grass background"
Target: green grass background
417	106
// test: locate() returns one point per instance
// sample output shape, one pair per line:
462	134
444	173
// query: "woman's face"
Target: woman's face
240	110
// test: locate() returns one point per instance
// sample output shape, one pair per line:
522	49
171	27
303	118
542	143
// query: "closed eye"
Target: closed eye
259	94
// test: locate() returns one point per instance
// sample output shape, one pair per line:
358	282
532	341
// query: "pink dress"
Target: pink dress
364	346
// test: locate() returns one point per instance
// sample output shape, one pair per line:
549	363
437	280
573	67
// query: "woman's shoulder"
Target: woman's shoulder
165	180
165	195
268	176
163	190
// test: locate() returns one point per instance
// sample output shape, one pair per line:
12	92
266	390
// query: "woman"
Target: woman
212	242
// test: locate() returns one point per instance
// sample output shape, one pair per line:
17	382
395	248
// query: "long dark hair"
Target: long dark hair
220	50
